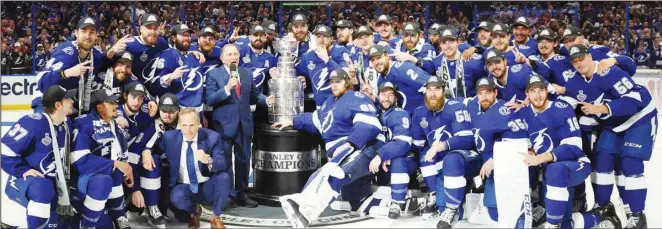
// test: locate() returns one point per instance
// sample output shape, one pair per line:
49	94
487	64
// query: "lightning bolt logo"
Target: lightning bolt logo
328	120
12	182
539	141
322	79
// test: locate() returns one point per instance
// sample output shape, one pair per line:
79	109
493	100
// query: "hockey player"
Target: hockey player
434	36
409	78
521	37
99	158
35	156
146	48
442	130
344	32
510	79
458	74
254	58
573	36
384	26
207	46
181	72
414	49
346	121
483	40
340	54
556	138
306	41
630	124
74	64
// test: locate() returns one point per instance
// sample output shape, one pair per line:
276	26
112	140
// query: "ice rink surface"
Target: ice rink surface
653	210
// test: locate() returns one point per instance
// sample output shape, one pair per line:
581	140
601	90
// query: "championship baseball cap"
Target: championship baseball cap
181	29
411	28
376	50
149	19
493	54
500	28
86	21
435	28
546	34
269	26
102	96
168	102
448	33
258	29
578	50
124	56
55	94
339	74
435	81
136	89
388	85
571	33
486	25
523	21
364	30
324	30
485	83
344	24
299	18
384	19
208	31
535	80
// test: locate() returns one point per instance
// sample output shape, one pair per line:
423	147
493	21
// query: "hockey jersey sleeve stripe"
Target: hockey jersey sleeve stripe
333	143
78	154
133	158
573	141
419	143
40	210
316	121
403	138
634	95
464	133
150	183
6	151
370	120
626	125
572	101
587	121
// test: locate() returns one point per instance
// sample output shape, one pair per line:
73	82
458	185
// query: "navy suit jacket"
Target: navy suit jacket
208	141
229	110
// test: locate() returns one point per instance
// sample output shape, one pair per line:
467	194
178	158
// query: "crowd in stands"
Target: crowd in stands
602	23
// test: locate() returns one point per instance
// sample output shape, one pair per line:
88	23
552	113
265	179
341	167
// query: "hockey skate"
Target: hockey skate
395	210
448	218
121	223
154	217
637	220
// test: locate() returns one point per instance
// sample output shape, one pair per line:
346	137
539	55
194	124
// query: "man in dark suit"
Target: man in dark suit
231	92
199	177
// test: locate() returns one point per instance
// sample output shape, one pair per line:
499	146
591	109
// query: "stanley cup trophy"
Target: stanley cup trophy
283	159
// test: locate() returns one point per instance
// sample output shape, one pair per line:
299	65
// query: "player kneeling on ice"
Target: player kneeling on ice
346	121
557	146
442	135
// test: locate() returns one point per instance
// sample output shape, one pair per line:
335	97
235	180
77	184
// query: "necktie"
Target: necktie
190	166
237	89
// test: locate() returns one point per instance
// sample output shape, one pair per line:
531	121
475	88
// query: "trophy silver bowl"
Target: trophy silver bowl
287	89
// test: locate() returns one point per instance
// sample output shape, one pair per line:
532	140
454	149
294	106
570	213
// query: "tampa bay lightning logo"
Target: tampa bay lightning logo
47	164
440	134
322	80
193	80
327	121
480	142
258	76
542	142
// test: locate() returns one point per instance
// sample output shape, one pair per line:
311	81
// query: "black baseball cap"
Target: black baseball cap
181	29
434	80
486	25
435	28
299	18
448	33
208	30
364	30
136	89
168	102
258	29
376	50
388	85
493	54
149	19
523	21
339	74
485	83
55	94
86	21
500	28
123	56
571	33
535	80
546	34
384	19
411	28
344	24
324	30
578	50
102	96
269	26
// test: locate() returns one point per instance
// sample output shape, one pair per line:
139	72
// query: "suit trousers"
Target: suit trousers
241	144
213	191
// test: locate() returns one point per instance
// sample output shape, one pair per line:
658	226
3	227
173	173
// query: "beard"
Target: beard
86	45
386	106
182	46
300	36
485	104
207	48
257	44
435	104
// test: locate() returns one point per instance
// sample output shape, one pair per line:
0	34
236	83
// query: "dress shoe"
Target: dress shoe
248	202
217	223
194	222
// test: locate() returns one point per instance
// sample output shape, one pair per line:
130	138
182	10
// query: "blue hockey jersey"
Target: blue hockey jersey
410	81
258	64
395	131
27	145
137	123
41	61
423	51
508	54
188	88
64	57
351	118
554	130
559	67
393	42
452	124
212	59
515	87
97	144
495	124
472	69
579	89
599	52
145	58
317	75
529	48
